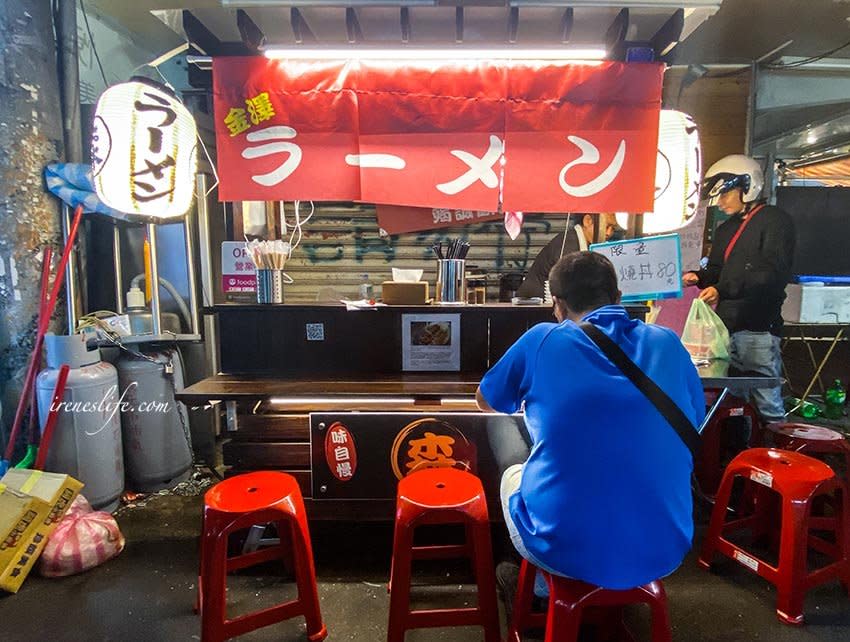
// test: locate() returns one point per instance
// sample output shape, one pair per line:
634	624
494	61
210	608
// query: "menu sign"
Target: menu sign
647	268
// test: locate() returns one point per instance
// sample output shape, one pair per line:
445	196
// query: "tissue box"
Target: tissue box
404	292
39	500
816	304
22	520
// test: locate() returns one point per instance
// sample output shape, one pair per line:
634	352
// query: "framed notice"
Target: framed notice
430	342
647	268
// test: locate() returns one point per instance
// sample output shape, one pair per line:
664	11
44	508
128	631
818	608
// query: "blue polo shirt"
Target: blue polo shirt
605	494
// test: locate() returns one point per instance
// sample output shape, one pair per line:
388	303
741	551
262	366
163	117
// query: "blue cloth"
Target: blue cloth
72	183
605	494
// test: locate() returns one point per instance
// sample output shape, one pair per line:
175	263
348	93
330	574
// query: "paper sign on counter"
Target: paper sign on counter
647	268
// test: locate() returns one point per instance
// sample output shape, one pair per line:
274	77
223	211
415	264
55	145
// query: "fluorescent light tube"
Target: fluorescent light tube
448	53
342	401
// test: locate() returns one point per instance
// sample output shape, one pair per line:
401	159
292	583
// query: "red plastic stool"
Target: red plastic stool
442	496
798	480
708	468
239	503
570	599
812	440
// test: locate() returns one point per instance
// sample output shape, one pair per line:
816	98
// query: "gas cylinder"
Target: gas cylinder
87	438
157	442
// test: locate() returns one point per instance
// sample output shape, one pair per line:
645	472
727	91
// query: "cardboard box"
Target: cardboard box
22	518
53	494
404	292
810	303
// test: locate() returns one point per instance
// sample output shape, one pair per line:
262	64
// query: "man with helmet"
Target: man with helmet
748	269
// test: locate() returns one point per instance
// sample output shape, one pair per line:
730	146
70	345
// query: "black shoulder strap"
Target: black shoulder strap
665	405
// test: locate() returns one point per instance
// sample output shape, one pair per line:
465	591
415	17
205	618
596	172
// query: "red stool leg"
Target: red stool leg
478	533
661	630
402	561
199	593
708	463
214	586
522	602
790	584
842	533
718	518
563	619
305	574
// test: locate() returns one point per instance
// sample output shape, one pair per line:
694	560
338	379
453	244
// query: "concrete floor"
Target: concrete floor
147	592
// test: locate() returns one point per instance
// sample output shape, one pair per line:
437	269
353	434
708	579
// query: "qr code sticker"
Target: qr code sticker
315	332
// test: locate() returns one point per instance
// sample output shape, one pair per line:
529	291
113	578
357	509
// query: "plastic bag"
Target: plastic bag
705	335
82	540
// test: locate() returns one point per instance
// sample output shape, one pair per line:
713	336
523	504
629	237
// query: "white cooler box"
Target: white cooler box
816	303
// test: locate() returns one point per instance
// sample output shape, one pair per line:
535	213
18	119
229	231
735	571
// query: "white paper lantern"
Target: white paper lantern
678	174
144	144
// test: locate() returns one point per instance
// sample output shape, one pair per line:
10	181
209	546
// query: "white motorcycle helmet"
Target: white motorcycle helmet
733	172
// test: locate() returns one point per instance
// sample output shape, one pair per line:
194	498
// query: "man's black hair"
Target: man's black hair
584	281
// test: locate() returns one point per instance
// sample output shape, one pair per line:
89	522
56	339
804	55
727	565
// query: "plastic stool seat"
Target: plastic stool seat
250	492
422	493
239	503
442	496
798	480
812	440
806	431
568	599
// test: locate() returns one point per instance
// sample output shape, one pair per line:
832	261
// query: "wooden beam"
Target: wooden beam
404	17
352	26
252	36
300	29
513	24
199	36
567	25
616	33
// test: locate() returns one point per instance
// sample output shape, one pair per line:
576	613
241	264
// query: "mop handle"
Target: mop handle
47	257
52	417
35	357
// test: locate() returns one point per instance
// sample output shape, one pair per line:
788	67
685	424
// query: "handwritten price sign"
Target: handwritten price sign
647	268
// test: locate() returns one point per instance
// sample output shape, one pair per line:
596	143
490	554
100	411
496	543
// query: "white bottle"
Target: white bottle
366	290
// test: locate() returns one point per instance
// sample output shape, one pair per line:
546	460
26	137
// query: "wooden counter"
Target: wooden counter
276	374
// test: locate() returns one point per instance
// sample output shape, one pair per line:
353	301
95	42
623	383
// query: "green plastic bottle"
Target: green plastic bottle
835	398
806	409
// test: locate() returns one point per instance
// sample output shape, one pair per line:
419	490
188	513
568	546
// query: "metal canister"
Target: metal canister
451	281
269	286
87	443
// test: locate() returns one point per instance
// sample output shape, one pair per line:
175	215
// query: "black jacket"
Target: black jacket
544	261
751	284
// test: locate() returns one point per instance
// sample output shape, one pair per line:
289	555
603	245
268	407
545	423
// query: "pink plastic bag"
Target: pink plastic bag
82	540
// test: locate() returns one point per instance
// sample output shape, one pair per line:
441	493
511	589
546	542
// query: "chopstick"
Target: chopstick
456	249
269	255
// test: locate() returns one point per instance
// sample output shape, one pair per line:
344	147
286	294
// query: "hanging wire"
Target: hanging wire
200	138
808	61
91	42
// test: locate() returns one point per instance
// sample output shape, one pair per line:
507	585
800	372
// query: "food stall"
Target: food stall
349	398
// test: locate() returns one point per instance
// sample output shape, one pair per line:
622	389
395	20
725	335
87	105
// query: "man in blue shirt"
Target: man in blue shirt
604	496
